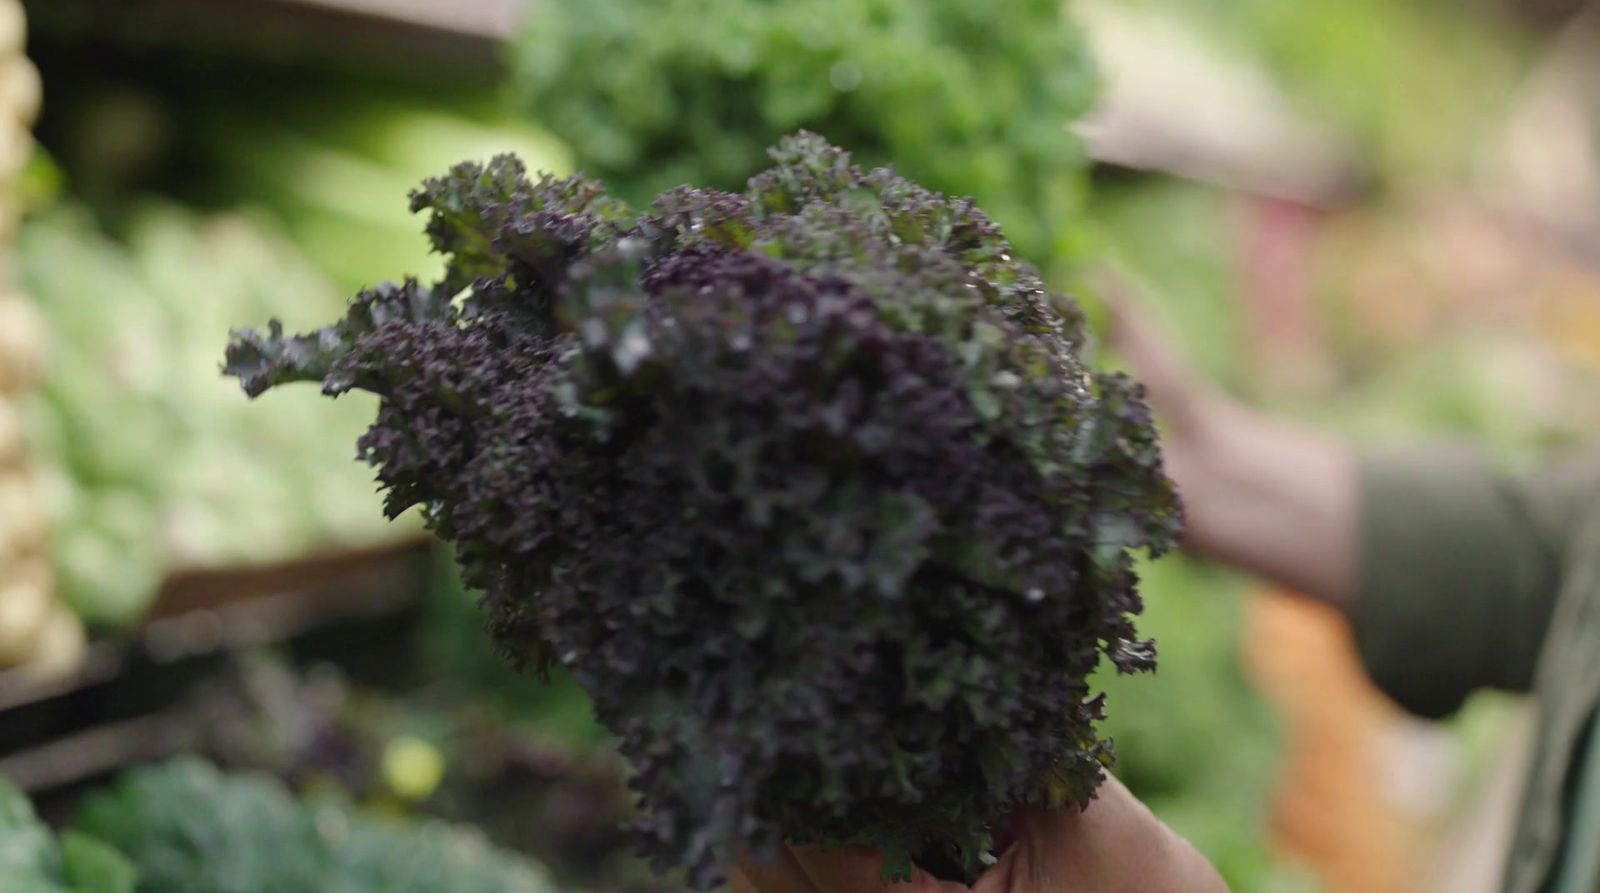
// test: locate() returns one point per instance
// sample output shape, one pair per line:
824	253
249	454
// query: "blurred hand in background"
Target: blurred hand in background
1261	495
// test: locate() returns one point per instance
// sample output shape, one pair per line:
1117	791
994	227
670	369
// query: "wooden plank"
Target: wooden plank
337	604
458	40
486	19
364	568
97	751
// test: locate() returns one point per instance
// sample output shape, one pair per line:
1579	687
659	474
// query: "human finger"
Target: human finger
853	869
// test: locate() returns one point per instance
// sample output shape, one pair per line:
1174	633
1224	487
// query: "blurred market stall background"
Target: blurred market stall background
1382	216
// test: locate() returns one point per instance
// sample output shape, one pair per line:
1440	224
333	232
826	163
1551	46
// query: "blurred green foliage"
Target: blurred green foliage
337	173
191	829
1418	83
33	860
452	640
152	459
965	98
1181	242
518	770
155	461
1175	237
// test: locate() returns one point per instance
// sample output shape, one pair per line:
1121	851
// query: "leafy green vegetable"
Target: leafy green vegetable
32	861
806	486
26	847
94	867
967	98
152	463
191	829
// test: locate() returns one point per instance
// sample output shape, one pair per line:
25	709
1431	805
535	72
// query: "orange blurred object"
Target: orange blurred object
1570	319
1331	810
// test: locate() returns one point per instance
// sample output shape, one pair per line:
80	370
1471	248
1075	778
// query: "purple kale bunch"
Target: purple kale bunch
806	486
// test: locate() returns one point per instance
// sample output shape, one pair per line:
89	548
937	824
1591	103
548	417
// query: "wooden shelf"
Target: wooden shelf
492	20
435	38
129	698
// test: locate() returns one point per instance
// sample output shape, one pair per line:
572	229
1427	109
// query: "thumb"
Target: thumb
1117	844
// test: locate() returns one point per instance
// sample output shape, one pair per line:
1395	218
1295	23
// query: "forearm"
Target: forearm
1264	496
1270	498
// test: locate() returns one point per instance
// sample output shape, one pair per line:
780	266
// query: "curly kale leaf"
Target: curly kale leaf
807	486
486	218
262	361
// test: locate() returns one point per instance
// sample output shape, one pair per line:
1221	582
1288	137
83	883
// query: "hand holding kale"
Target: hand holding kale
1116	845
806	486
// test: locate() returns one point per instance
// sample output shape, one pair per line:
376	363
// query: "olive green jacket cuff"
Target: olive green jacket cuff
1459	566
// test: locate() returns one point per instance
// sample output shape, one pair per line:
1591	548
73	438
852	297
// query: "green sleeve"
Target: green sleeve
1460	566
